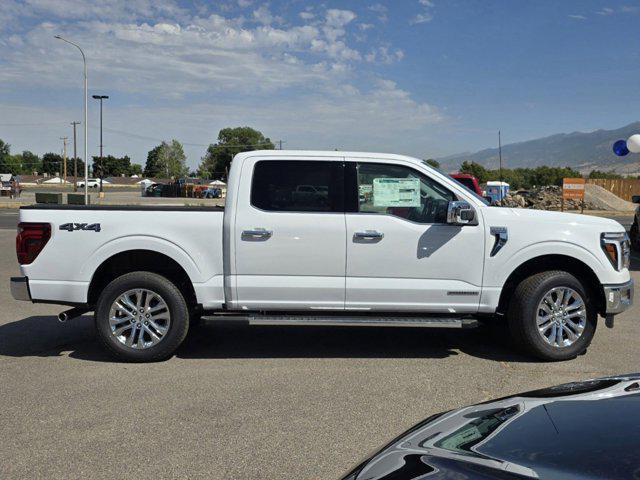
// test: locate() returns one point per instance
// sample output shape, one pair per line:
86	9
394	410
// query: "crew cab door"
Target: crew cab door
401	253
290	235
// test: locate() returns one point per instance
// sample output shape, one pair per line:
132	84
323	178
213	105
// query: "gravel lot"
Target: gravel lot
243	402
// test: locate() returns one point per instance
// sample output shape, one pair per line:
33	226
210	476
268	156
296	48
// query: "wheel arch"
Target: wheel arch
583	272
140	260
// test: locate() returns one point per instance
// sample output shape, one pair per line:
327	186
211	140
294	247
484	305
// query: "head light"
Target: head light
617	248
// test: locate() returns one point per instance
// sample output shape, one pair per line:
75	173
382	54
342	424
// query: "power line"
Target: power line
153	139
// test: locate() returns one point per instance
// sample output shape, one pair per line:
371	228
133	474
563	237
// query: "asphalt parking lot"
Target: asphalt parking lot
242	402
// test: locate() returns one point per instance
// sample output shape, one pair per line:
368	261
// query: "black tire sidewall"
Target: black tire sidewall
177	308
523	315
634	234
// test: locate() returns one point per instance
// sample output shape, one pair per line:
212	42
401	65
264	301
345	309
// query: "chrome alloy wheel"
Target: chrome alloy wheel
139	318
561	317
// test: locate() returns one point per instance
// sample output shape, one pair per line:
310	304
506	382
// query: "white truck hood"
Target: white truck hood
531	216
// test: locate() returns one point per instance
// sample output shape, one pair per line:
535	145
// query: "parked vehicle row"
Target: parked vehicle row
173	190
330	238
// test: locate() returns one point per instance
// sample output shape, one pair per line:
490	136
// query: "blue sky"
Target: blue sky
421	77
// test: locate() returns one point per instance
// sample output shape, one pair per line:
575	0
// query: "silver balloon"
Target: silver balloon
633	143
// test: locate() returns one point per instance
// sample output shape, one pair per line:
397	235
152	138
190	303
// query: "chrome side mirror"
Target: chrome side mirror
460	213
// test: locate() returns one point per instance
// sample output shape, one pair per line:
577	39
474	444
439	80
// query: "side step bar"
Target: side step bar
349	321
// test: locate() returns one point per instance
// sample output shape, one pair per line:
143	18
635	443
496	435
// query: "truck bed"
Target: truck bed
84	237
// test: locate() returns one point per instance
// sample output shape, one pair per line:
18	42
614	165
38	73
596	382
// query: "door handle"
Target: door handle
257	233
368	235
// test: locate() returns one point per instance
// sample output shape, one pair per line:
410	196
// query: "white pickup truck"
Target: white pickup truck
327	238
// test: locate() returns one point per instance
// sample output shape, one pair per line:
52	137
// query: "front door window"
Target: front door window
390	189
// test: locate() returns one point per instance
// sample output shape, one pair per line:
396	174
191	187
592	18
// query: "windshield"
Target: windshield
479	197
472	192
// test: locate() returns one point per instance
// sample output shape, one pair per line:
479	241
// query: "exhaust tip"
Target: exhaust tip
63	317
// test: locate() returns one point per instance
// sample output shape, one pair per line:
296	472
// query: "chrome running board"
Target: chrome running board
348	321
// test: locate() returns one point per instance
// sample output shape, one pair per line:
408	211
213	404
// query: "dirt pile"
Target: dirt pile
603	199
544	198
550	198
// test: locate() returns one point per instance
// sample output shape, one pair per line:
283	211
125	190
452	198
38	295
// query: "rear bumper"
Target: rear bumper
20	288
618	297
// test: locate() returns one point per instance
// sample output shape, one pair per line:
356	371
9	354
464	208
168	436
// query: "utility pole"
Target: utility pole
75	158
64	159
101	97
280	142
500	156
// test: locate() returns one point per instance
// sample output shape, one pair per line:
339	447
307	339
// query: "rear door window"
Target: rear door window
298	186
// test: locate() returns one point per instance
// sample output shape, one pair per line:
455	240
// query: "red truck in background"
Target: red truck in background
468	181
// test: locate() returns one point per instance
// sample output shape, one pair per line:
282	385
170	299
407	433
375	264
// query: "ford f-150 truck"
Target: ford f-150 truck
327	238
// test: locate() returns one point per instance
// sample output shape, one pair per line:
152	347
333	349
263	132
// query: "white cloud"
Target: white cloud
307	15
365	26
577	17
173	73
380	10
606	11
244	3
339	18
105	9
385	55
426	15
263	15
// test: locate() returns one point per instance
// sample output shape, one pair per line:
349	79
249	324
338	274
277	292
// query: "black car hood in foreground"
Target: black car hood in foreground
584	430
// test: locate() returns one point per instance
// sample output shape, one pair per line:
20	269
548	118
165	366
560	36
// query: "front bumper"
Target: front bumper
618	298
20	288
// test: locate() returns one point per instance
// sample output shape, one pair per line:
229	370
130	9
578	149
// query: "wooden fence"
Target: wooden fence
622	187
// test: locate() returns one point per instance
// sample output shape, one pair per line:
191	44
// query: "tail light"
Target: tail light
31	239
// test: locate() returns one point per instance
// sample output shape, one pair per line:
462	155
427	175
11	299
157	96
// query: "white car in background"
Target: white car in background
91	183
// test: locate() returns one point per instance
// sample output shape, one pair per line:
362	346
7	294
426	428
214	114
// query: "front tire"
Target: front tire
551	316
634	235
142	317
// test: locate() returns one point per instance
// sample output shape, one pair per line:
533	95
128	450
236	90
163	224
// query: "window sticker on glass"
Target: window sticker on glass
365	192
396	192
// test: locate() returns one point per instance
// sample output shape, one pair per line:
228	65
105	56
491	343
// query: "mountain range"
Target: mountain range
584	151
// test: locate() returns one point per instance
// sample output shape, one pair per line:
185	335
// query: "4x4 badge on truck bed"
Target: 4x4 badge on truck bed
70	227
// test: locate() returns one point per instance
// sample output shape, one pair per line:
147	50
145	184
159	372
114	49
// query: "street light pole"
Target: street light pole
75	158
86	101
101	97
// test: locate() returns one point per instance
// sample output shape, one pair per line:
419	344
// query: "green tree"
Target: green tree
80	167
135	169
521	177
231	141
30	162
52	163
599	174
5	149
5	161
152	167
111	166
475	169
167	160
432	163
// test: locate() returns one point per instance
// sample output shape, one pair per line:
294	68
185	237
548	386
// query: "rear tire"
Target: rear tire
146	306
524	316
